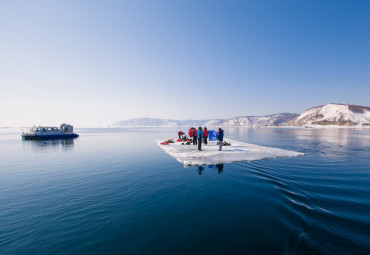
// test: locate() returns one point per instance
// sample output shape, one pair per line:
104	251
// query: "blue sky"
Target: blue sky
92	63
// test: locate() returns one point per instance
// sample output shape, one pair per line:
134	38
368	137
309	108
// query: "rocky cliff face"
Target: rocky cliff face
333	114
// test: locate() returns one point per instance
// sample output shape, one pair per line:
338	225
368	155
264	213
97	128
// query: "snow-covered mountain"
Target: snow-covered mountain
333	114
258	121
151	122
330	114
250	121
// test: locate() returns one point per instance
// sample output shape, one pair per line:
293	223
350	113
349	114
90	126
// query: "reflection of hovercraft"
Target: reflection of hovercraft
64	131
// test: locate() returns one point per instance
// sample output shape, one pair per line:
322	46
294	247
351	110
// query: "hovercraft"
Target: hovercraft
63	132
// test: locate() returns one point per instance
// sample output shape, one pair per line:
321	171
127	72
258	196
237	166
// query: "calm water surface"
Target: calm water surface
114	191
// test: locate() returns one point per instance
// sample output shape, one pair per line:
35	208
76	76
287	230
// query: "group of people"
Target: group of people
202	134
198	136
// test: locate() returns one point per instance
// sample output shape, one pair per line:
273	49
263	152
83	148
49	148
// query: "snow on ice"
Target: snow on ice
238	151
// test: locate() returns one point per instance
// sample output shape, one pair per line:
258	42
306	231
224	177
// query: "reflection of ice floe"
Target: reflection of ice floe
238	151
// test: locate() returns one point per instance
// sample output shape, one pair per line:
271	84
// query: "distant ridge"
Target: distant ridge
246	121
333	114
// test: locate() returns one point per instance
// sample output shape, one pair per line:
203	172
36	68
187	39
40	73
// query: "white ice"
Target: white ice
209	155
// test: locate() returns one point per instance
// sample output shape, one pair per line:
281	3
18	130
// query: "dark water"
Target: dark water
114	191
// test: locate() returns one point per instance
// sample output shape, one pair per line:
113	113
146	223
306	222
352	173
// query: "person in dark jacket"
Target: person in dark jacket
220	137
205	135
199	135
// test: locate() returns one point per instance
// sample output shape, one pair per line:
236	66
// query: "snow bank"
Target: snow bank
238	151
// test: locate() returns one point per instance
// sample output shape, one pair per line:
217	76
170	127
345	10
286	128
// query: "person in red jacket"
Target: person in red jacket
195	137
205	135
182	135
193	134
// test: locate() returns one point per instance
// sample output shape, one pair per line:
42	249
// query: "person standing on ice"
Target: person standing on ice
205	136
200	135
220	137
193	134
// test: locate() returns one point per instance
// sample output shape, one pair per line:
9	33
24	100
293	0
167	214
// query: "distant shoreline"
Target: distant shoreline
305	127
301	127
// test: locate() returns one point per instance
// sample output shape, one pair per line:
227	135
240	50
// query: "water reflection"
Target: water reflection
335	143
219	167
47	145
200	169
342	137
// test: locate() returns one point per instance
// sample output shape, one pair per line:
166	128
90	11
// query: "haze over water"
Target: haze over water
114	191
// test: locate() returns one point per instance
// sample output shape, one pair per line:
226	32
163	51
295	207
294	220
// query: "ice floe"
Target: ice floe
238	151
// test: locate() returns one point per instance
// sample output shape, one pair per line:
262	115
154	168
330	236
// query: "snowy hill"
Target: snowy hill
250	121
258	121
333	114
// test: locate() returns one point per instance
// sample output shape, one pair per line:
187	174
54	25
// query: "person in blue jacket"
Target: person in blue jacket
220	137
199	136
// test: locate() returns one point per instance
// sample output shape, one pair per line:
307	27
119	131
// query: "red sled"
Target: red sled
165	143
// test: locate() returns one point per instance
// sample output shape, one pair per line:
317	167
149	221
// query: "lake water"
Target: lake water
114	191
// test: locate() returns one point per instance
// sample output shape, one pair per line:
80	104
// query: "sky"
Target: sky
93	63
